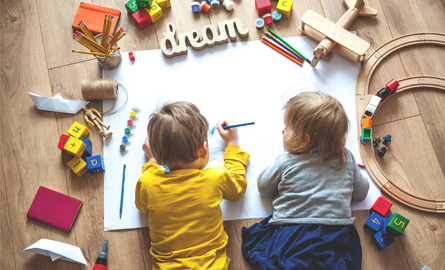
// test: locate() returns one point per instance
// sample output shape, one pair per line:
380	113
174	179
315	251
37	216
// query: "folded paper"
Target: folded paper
57	250
57	103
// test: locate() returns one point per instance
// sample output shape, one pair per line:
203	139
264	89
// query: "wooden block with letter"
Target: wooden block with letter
78	166
95	164
89	148
75	147
155	12
144	3
397	224
334	35
142	18
381	206
374	222
164	3
78	131
131	6
382	240
263	7
285	7
63	139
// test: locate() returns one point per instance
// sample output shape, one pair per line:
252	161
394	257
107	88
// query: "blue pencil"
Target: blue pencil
122	192
239	125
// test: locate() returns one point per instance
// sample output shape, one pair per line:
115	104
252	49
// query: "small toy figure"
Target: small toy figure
376	141
387	140
382	151
92	116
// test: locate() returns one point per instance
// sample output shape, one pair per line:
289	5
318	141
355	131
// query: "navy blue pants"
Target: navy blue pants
302	246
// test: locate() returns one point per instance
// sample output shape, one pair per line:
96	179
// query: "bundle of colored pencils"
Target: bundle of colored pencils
283	48
106	46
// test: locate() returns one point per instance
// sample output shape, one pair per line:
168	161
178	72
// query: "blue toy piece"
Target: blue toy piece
387	140
95	164
385	230
89	150
382	151
382	240
374	222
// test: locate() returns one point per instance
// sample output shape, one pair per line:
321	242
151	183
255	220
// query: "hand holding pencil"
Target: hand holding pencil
230	135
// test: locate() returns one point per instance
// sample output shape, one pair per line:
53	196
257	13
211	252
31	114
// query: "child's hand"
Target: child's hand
230	136
146	148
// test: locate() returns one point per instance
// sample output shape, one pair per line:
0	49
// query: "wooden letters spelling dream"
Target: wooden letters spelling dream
218	36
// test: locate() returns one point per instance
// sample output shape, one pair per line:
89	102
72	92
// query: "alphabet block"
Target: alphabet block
142	18
78	166
381	206
285	7
397	224
78	131
164	3
89	148
131	6
63	139
75	147
263	7
95	164
144	3
155	12
382	240
374	222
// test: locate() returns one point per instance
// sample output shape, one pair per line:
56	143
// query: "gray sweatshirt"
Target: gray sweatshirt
310	192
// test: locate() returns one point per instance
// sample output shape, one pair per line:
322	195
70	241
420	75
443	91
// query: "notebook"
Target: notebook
93	16
54	208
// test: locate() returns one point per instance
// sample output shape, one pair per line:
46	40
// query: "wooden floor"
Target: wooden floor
36	56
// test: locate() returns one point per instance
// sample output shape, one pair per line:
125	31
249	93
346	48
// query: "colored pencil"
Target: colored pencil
275	34
122	191
239	125
93	53
281	52
278	42
299	60
361	166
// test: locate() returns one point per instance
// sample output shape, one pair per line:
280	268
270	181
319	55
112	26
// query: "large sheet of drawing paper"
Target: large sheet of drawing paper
241	82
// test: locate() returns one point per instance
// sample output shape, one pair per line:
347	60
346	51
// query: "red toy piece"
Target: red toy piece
263	7
142	18
130	54
63	139
389	89
381	206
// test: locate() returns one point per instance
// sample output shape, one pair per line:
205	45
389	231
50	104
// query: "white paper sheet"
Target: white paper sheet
241	82
57	250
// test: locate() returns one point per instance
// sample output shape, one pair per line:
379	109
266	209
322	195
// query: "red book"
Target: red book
54	208
93	16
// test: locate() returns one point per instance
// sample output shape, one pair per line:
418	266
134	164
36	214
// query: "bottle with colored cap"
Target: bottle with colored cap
259	23
228	4
101	261
215	3
205	6
195	7
276	16
267	18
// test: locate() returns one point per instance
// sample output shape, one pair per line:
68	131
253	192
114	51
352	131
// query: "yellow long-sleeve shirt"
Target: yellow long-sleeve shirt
185	219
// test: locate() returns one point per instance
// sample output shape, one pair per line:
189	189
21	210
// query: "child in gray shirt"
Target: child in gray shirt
314	182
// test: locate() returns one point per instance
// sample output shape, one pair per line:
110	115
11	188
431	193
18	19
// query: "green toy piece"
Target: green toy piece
397	224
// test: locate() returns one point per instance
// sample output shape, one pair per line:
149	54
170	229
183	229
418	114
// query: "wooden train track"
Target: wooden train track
410	83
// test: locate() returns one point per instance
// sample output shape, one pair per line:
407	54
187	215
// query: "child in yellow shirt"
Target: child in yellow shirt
182	203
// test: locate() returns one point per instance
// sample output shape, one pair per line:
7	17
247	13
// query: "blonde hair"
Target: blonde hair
175	133
316	123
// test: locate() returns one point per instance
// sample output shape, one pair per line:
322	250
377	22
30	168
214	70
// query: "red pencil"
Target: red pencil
285	54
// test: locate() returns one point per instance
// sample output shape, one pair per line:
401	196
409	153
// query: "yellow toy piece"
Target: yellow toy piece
78	166
164	3
285	7
75	147
155	12
78	131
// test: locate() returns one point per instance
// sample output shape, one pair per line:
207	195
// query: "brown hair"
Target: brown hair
323	118
175	133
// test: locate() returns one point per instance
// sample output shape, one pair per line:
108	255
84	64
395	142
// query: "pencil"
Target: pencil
93	53
239	125
299	60
281	52
122	191
284	46
275	34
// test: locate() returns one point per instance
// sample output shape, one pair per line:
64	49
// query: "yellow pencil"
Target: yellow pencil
93	53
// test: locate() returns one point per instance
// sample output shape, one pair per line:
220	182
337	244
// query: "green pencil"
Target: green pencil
275	34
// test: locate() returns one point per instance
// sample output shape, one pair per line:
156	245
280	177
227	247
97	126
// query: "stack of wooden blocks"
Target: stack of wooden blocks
264	6
146	12
77	145
385	229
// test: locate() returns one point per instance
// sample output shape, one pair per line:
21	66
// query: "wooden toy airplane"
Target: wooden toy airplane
336	36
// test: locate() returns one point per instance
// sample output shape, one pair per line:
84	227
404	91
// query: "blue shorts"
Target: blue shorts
301	246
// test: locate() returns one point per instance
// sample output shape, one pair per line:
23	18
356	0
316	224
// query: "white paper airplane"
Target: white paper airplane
57	250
